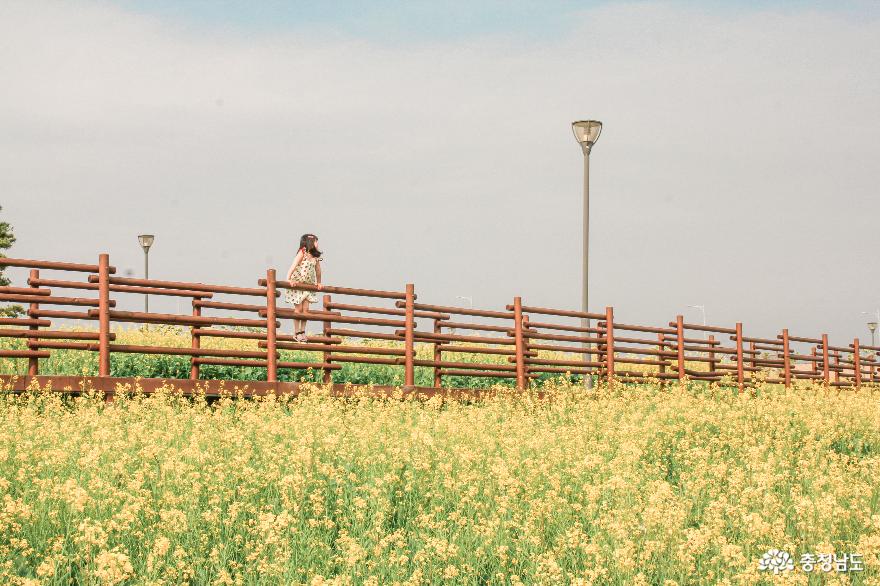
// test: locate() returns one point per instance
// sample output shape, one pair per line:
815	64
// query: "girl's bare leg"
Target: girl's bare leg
298	324
304	308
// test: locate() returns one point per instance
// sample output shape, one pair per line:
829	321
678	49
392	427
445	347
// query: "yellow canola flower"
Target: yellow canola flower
633	484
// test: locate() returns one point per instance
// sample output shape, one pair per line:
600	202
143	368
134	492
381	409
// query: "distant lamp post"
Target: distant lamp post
586	132
702	308
872	325
146	241
470	301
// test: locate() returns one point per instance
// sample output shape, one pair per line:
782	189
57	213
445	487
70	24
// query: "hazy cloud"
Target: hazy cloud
737	167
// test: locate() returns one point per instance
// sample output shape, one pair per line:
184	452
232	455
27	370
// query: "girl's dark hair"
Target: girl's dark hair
308	242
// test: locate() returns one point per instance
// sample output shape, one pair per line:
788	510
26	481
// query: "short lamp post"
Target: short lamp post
586	132
146	241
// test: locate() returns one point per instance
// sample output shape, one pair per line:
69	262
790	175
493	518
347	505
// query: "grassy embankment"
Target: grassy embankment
77	362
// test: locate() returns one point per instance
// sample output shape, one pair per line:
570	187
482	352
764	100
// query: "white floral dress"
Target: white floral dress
303	273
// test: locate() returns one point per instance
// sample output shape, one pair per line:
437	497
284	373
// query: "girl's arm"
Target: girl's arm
318	274
296	261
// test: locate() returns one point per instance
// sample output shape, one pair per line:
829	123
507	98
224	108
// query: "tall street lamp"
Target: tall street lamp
872	325
146	241
586	132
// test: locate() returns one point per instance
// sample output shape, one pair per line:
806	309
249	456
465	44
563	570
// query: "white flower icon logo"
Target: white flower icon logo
776	560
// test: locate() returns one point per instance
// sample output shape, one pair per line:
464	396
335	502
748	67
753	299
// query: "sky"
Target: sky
431	143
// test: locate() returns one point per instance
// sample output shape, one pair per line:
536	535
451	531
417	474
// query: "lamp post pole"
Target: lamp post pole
702	308
586	132
146	241
470	301
872	355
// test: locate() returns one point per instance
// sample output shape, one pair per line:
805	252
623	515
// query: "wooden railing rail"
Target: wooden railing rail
517	342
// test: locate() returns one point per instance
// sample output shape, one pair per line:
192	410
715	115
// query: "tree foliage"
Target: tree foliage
7	238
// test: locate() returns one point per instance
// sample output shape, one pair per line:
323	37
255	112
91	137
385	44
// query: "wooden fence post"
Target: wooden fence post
679	330
857	363
196	342
518	344
271	331
786	358
438	355
33	362
409	335
104	315
661	346
835	355
740	377
609	345
712	366
526	349
327	376
753	354
825	359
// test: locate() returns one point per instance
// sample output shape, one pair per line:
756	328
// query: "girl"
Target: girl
305	269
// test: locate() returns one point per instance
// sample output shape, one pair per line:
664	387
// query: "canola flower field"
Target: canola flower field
637	484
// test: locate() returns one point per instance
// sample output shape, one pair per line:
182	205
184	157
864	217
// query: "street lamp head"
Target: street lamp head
146	241
872	325
586	132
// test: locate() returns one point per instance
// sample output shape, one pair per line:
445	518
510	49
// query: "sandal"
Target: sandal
301	337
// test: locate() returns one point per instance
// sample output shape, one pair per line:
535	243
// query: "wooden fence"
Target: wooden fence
517	333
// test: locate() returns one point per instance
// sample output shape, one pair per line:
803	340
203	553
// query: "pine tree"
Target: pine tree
7	238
